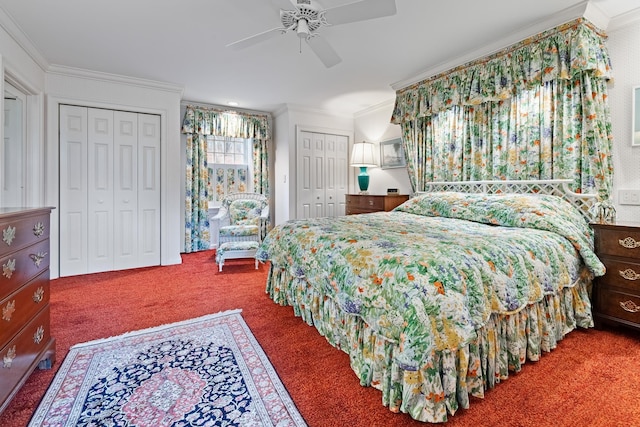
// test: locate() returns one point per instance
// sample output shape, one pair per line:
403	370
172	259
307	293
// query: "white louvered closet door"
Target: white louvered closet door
109	190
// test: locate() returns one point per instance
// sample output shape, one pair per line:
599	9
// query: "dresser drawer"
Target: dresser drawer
619	305
618	242
24	352
19	267
18	233
22	305
621	274
365	202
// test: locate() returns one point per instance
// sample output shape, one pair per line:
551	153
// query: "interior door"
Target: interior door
100	181
148	189
319	174
125	173
13	149
73	190
304	175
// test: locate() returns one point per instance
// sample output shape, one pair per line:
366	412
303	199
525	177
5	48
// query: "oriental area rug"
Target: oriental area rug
208	371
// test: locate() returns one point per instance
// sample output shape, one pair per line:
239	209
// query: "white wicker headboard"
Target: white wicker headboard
557	187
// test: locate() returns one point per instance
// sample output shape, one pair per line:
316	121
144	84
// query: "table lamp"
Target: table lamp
363	156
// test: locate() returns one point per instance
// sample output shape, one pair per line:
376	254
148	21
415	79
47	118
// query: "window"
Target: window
229	164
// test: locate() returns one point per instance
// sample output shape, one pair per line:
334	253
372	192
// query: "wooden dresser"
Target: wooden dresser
617	294
367	203
25	338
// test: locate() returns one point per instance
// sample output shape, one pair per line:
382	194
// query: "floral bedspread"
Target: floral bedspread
428	274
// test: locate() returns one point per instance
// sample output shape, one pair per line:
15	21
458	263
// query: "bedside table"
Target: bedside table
367	203
617	294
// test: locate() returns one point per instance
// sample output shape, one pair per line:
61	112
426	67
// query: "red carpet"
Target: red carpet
591	379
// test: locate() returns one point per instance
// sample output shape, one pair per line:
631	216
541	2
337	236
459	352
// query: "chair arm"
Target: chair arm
265	213
222	213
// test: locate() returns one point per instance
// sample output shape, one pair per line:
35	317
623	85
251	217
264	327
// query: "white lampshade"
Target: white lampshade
363	155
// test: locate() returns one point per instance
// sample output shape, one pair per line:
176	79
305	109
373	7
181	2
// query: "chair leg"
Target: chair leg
256	263
220	264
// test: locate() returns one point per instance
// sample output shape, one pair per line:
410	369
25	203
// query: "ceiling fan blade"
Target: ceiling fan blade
360	11
324	51
255	39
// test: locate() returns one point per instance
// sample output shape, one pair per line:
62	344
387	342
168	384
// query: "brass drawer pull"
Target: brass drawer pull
630	306
629	243
8	358
8	234
38	295
629	274
8	310
37	258
38	229
38	335
8	268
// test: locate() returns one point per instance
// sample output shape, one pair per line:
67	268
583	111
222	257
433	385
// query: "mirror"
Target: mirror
635	132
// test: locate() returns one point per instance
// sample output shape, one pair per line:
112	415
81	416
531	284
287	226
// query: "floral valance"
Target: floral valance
559	53
225	123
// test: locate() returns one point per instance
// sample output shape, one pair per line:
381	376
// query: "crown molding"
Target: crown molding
311	110
19	36
114	78
390	103
625	20
559	18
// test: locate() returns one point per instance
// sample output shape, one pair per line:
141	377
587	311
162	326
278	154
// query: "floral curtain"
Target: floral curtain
197	124
537	110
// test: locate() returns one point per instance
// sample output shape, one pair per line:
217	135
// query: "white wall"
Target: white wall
78	87
282	173
374	125
24	70
624	48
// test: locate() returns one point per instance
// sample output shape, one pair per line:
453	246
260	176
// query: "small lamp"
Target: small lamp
363	156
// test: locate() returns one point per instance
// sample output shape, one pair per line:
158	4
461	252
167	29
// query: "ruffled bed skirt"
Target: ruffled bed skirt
439	388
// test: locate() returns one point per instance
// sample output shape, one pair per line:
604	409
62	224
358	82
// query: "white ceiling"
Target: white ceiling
183	43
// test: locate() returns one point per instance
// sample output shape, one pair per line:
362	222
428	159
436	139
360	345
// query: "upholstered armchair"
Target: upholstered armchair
243	221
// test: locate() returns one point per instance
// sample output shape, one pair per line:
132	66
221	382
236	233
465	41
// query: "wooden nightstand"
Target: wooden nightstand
617	294
367	203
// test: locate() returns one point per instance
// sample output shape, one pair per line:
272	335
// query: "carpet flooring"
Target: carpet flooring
591	379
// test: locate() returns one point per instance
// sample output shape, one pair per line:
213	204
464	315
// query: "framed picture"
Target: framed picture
635	120
391	154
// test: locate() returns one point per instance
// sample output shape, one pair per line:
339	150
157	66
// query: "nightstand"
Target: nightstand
616	295
368	203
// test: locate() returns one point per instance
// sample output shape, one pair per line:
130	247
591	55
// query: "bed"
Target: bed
441	298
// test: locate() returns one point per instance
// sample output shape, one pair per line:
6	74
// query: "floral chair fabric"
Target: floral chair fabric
247	215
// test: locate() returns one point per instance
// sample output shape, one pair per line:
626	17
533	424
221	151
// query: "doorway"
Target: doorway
14	148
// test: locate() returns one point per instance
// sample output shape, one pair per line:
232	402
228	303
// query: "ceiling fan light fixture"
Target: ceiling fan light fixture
303	29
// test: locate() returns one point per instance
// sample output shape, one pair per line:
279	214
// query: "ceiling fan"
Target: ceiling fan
306	17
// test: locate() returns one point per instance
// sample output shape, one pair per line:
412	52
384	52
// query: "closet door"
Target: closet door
125	190
304	175
335	174
321	174
148	190
318	208
73	190
100	182
109	190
